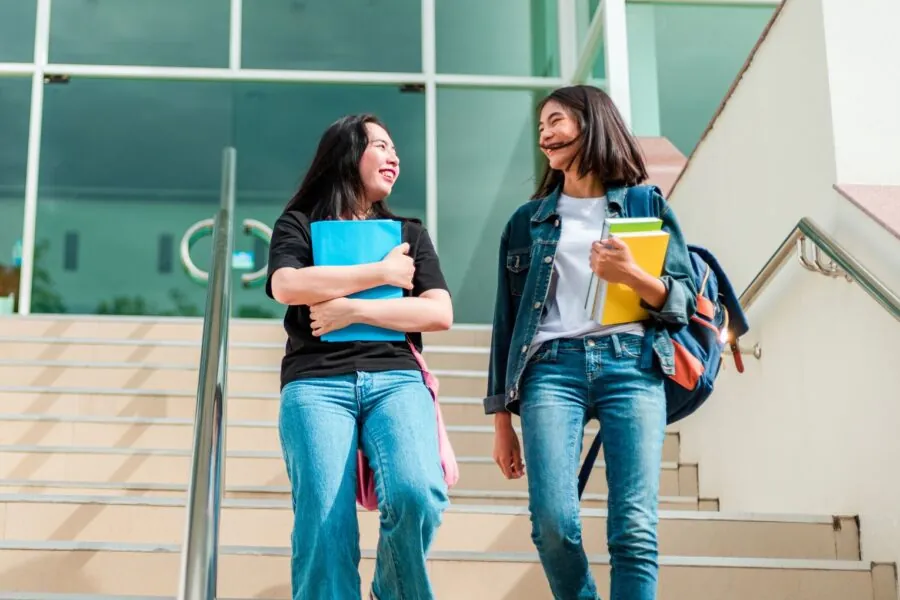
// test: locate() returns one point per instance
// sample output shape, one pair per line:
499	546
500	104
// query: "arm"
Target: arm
431	311
312	285
495	402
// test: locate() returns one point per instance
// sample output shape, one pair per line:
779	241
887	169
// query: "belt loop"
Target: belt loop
554	348
617	345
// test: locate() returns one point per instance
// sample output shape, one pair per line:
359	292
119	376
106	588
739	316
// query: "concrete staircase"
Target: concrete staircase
95	436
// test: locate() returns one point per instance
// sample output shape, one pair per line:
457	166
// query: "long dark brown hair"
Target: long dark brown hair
605	146
333	188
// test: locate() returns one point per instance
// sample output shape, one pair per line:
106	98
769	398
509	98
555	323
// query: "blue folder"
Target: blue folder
347	243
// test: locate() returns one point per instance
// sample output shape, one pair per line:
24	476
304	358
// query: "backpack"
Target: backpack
699	346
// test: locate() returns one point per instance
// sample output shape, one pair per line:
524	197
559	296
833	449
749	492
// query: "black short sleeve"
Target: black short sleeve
290	246
428	274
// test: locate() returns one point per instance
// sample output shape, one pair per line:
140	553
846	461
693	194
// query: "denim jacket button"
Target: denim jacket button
548	260
524	349
537	305
556	223
512	394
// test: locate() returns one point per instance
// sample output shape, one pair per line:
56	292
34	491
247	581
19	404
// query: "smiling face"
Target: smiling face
559	134
379	166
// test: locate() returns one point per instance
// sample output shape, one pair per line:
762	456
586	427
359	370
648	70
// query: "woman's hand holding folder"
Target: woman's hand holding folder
398	268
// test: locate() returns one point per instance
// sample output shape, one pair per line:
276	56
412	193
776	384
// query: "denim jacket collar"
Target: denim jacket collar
615	197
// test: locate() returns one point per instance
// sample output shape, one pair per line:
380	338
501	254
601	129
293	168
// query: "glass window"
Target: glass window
338	35
497	37
17	21
15	104
126	163
488	166
140	32
683	60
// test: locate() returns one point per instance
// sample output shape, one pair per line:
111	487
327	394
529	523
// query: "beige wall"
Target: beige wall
812	427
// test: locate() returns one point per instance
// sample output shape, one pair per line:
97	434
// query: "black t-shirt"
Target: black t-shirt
309	356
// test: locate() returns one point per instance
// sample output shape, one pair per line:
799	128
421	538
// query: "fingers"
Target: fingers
401	249
511	465
505	466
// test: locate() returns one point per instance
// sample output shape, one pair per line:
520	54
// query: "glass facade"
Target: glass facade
132	138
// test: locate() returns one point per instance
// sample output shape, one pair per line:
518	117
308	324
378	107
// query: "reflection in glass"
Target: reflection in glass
15	100
695	54
488	159
17	20
126	164
338	35
140	32
500	37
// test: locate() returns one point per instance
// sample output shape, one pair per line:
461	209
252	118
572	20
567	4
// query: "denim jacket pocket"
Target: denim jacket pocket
517	264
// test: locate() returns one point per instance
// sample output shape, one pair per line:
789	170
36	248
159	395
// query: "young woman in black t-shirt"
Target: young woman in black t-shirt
336	396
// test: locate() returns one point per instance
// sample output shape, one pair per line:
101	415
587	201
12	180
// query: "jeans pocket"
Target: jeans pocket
632	346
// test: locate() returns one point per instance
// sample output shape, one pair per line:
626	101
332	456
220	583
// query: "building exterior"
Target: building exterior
114	116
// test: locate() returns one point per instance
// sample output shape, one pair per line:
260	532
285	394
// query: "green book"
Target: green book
618	226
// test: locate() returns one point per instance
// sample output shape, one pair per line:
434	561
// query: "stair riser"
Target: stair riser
137	491
139	378
471	532
245	331
143	468
180	437
269	577
161	354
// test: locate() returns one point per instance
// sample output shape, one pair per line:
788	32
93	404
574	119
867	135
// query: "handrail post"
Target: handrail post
200	551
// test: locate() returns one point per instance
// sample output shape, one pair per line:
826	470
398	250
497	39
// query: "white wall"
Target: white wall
813	426
768	161
863	64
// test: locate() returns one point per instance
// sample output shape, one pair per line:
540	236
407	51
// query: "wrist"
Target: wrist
502	419
634	276
356	310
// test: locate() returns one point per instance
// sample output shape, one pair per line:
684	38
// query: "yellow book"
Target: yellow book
620	304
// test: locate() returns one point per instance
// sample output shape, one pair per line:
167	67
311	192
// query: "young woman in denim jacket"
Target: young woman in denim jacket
558	369
338	396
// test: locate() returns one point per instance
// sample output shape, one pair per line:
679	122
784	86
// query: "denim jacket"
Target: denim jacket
527	252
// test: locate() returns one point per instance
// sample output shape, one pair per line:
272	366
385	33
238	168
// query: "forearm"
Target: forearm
651	289
405	314
312	285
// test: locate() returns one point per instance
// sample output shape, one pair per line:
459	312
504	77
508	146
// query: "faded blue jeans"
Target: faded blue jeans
321	422
567	383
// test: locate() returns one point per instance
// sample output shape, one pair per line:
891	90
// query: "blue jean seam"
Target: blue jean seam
390	514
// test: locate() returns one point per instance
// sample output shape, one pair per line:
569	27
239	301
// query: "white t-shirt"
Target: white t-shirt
565	317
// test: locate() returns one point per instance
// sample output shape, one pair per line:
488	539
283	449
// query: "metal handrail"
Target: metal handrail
843	265
200	552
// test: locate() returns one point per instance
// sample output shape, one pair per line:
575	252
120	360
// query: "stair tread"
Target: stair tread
447	555
463	508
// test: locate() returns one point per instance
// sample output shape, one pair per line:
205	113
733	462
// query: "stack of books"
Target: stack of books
614	303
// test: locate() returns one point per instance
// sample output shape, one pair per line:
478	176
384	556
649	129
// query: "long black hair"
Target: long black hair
333	188
605	146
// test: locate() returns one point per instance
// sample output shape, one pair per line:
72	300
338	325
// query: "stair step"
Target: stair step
92	463
172	432
247	354
282	492
247	571
241	380
191	329
175	403
43	517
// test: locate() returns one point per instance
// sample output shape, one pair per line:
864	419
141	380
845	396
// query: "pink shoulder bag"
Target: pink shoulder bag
365	478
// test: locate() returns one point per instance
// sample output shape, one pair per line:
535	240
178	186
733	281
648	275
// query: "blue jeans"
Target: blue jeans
567	383
321	423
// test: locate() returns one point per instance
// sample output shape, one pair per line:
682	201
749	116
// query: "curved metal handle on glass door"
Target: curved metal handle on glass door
203	228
